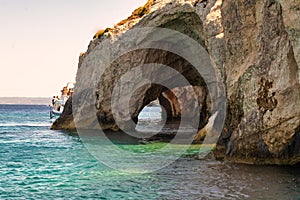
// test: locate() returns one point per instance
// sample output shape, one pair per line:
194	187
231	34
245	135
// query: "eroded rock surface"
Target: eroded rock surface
66	120
262	80
255	46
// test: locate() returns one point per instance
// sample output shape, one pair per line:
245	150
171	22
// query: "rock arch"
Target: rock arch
188	97
188	23
239	36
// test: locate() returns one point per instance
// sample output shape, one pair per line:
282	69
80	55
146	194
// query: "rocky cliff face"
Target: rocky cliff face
255	46
262	79
66	120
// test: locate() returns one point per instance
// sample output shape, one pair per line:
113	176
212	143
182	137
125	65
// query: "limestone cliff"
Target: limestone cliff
262	79
255	46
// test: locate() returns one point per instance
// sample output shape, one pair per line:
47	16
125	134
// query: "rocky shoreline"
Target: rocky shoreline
255	47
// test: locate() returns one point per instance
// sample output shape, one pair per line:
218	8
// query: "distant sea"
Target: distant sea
39	163
25	100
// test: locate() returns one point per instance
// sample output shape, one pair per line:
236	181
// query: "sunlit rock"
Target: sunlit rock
255	47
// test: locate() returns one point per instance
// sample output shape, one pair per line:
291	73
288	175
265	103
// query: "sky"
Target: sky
41	41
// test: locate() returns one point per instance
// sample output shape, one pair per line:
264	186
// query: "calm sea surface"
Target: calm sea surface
38	163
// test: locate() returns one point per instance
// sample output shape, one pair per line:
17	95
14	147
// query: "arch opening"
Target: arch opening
163	116
175	99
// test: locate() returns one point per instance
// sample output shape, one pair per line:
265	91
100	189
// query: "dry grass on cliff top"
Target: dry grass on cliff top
101	32
138	13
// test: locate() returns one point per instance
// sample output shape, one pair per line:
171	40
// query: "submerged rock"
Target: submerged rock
255	46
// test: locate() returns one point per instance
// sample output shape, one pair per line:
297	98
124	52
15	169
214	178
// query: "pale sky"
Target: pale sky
41	40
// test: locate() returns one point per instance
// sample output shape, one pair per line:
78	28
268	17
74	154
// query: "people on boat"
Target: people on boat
58	103
54	99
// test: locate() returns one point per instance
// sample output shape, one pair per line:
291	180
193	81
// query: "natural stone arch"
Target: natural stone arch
188	23
241	44
147	93
102	83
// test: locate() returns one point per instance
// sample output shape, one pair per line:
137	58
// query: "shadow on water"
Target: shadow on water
189	178
121	137
38	163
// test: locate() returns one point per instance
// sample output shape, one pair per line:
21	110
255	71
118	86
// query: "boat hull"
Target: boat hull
54	113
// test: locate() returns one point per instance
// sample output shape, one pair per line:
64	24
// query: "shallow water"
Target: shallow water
37	163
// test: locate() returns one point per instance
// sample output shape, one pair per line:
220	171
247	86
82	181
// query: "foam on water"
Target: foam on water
26	124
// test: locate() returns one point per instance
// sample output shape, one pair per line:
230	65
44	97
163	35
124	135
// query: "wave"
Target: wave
25	125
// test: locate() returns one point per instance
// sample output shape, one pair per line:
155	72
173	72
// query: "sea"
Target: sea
39	163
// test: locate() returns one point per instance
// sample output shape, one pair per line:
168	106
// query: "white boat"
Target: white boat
58	103
58	107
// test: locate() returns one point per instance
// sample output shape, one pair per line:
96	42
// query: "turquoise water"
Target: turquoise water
38	163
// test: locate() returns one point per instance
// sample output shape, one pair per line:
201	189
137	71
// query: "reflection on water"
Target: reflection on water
216	180
52	165
37	163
